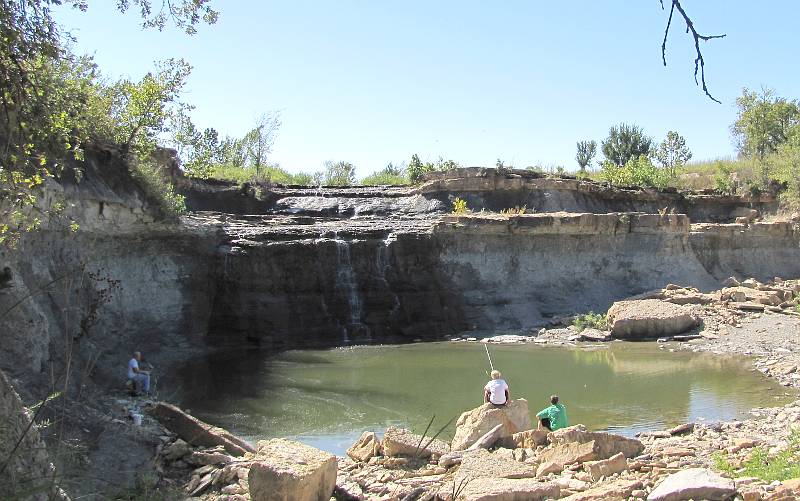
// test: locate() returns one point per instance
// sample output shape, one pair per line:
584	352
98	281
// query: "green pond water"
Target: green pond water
326	398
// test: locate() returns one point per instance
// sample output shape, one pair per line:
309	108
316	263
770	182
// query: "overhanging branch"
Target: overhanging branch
699	62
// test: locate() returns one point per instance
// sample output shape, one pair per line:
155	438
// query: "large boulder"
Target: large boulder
196	432
694	483
475	423
402	442
606	467
530	439
284	470
606	444
365	447
650	318
506	489
573	452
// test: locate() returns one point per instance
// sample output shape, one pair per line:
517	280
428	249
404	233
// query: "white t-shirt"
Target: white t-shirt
497	391
132	364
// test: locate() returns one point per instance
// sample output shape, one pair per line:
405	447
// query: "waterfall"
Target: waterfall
383	264
347	285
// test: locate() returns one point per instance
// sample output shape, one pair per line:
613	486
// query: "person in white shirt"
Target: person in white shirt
136	374
496	390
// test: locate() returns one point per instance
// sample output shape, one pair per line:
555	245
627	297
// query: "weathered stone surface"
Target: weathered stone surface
482	463
365	447
402	442
504	489
650	318
607	444
789	490
176	450
530	439
196	432
549	467
29	474
606	467
694	483
206	458
612	491
569	453
473	424
290	471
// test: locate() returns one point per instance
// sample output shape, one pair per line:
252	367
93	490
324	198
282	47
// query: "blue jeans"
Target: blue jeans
144	379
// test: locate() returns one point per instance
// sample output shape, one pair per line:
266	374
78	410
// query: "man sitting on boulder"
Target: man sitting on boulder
554	417
496	390
137	375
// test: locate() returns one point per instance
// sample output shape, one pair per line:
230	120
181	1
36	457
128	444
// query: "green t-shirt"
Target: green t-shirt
557	414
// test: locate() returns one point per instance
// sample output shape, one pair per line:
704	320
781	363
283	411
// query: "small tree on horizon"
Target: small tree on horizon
585	154
340	173
624	143
673	152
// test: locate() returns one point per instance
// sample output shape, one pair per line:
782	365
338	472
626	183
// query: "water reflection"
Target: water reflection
328	397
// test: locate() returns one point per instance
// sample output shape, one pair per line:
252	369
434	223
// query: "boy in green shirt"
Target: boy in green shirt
554	417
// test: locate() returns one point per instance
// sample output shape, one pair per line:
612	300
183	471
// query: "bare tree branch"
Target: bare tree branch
699	62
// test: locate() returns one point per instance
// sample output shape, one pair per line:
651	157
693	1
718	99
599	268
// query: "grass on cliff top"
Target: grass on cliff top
784	465
268	173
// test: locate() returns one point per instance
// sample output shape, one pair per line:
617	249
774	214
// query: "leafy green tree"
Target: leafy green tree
340	173
624	143
141	110
258	142
416	169
585	154
764	122
672	152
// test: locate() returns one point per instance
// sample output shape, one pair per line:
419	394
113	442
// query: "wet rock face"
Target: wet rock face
324	290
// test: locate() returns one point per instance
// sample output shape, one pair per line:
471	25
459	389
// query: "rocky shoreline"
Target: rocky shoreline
495	454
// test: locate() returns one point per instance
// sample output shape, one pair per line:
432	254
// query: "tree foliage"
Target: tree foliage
585	154
624	143
416	168
672	152
764	121
638	171
339	173
52	103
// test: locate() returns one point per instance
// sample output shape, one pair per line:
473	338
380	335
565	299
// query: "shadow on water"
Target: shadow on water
327	397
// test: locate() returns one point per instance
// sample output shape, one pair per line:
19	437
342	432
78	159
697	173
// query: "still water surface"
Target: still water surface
328	397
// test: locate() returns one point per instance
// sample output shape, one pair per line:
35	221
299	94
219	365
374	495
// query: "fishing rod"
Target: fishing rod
486	347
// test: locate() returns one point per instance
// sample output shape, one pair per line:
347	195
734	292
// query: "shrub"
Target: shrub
638	171
460	206
590	320
781	466
268	173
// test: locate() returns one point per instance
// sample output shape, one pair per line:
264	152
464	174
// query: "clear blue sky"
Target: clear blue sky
375	81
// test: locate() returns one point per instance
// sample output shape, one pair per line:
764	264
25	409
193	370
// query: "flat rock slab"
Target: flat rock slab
650	318
290	471
196	432
475	423
402	442
607	444
619	489
481	463
569	453
694	483
504	489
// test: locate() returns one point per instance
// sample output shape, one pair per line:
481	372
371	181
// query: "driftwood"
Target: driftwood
196	432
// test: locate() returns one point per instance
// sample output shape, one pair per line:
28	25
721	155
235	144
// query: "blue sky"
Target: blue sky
374	81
